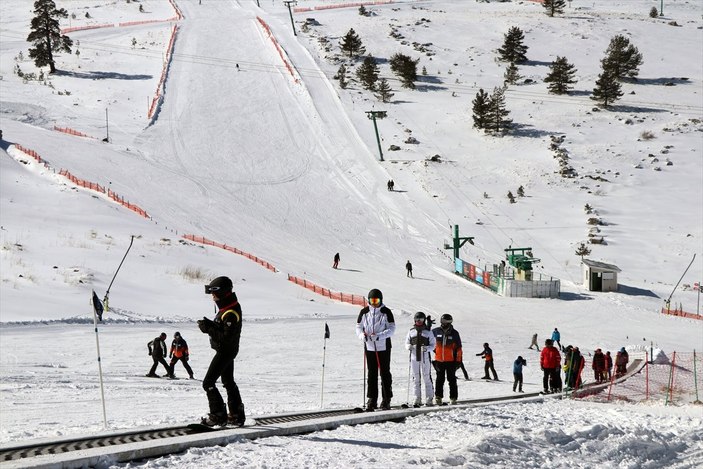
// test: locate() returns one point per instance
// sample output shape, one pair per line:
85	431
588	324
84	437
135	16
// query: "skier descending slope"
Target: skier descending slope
375	326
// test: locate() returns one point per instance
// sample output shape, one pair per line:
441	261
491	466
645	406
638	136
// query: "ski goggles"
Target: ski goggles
209	289
375	301
445	322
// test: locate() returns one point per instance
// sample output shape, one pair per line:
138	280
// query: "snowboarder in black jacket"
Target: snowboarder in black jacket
157	350
224	331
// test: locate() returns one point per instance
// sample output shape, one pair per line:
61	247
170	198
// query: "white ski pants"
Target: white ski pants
421	375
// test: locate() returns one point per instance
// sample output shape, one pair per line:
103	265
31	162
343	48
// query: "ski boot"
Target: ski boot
418	402
238	418
371	405
386	404
213	420
438	400
428	402
452	401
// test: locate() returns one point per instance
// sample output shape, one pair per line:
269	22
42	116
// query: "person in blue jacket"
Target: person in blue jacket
517	373
556	336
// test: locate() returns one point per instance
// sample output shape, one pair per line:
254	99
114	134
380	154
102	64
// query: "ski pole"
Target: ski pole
363	400
410	354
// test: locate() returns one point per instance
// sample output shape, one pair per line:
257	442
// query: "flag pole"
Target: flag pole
324	352
98	306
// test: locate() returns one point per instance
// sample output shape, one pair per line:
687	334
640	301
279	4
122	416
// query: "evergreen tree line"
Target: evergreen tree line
621	62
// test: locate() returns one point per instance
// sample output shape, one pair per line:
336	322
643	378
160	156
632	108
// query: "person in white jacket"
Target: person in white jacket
375	326
420	341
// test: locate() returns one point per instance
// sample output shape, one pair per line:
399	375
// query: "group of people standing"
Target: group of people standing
375	326
573	365
179	351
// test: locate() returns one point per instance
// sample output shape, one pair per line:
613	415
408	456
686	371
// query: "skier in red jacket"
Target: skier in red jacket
549	361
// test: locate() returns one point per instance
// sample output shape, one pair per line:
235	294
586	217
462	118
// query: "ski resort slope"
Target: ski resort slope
286	167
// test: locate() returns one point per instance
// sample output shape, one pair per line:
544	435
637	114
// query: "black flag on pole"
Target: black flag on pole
327	331
97	306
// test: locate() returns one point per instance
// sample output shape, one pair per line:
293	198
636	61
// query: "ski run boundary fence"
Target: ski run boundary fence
672	380
313	287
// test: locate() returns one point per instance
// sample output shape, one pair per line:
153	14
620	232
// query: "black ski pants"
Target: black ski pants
222	366
489	367
448	370
379	362
158	360
517	383
183	360
551	379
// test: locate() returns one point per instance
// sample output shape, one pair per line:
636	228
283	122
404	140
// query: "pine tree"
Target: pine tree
513	49
511	75
480	109
622	58
367	73
582	250
554	6
351	43
497	114
560	76
405	68
608	89
46	34
384	91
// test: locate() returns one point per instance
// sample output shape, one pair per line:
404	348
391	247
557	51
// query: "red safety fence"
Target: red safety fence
680	312
33	154
281	53
337	296
164	73
82	182
667	379
359	300
342	5
85	28
70	131
120	200
208	242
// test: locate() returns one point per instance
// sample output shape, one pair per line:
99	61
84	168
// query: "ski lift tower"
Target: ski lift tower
521	259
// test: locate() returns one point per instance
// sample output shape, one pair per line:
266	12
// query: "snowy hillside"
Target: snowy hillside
285	166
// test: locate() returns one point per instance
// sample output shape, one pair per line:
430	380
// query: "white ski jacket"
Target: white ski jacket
375	326
427	340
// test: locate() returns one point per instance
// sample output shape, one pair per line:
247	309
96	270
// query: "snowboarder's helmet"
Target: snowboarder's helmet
375	293
419	316
219	284
446	319
177	334
163	335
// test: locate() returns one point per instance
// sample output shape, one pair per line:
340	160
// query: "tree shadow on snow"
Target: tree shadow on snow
526	130
634	291
426	88
103	75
